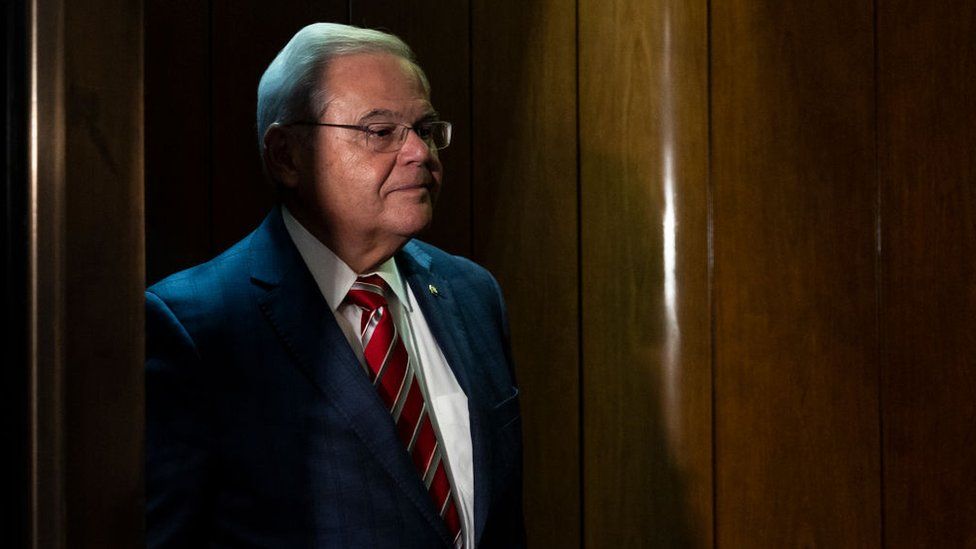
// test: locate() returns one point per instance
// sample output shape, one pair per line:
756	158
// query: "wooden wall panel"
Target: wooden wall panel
104	274
246	35
178	153
438	31
645	311
45	269
927	85
796	369
525	231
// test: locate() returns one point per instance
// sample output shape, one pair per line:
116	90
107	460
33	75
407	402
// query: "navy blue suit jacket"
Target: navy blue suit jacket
263	431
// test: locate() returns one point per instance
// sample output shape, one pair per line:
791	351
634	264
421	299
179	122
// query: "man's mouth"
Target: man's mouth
420	185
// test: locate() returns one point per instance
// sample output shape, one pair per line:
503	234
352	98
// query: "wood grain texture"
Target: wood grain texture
104	265
178	129
246	36
927	86
646	332
45	273
796	367
525	226
438	31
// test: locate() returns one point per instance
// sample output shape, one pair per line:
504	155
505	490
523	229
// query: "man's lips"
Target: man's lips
423	185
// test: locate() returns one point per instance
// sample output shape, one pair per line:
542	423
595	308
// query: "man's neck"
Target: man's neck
362	253
364	258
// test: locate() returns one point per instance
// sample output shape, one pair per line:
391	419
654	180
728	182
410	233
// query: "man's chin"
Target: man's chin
416	223
419	229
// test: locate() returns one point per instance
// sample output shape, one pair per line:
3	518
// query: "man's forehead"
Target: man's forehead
377	86
370	70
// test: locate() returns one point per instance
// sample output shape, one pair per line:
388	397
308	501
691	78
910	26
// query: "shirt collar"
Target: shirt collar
333	277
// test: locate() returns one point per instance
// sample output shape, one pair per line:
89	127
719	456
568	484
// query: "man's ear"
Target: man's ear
281	155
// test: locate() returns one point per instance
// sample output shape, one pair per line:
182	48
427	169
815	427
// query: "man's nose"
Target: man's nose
415	148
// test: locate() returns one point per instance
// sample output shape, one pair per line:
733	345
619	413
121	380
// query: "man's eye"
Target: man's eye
423	130
381	131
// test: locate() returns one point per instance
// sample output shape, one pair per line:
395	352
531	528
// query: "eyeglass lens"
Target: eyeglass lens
388	137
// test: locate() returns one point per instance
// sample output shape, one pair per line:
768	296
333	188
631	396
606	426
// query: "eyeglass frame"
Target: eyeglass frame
367	132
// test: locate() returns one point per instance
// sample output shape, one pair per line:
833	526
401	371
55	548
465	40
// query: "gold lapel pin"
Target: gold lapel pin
432	288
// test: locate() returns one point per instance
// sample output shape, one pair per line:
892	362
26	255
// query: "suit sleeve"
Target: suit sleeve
506	334
179	434
514	534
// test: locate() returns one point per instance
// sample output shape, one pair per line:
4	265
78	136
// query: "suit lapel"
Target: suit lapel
443	314
293	304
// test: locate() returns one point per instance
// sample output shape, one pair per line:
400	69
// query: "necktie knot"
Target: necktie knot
368	292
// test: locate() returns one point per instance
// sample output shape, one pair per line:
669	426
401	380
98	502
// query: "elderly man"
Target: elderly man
329	381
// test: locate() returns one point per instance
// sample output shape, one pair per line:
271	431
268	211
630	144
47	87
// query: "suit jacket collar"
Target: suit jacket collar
293	304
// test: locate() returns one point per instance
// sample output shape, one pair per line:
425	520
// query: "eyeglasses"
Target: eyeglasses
390	136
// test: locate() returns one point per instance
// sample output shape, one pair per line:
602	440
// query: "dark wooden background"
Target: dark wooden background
737	239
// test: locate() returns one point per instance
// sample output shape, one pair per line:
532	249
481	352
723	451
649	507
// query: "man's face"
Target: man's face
348	189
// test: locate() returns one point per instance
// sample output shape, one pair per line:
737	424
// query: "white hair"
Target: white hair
289	91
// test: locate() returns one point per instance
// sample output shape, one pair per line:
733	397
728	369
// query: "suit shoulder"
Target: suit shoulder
208	284
472	280
449	264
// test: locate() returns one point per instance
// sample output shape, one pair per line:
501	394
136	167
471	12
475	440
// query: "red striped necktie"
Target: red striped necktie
394	377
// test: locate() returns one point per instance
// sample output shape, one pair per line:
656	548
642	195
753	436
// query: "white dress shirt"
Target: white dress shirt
441	390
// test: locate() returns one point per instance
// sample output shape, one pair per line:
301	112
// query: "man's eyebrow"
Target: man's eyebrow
376	113
387	114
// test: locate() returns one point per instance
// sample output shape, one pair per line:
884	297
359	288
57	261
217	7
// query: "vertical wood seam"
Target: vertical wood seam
211	169
710	260
471	111
877	272
579	285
